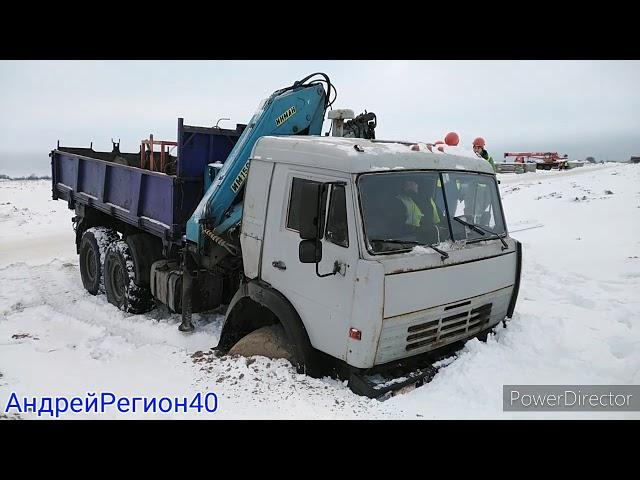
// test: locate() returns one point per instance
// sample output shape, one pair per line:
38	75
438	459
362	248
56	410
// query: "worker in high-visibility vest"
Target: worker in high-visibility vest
478	148
483	200
413	211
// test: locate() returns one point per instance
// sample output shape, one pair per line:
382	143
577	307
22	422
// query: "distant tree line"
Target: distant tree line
33	176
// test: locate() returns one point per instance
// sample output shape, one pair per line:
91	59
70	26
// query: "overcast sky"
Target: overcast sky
580	108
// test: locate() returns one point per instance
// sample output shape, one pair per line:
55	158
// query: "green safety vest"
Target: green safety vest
436	217
414	214
491	162
493	165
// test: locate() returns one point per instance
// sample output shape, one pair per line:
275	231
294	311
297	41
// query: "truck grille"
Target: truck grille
425	330
441	329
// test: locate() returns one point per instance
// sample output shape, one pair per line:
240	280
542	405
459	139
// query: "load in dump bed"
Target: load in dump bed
354	257
138	189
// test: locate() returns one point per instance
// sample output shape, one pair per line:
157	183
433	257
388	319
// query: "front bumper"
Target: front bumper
384	381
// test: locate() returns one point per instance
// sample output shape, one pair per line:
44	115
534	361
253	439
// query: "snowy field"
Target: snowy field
577	320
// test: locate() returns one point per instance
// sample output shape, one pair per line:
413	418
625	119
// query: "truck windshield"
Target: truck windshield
404	209
474	206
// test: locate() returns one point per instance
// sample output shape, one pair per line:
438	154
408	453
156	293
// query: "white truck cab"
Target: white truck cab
371	255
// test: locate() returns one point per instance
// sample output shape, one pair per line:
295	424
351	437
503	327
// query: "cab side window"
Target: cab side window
337	231
293	214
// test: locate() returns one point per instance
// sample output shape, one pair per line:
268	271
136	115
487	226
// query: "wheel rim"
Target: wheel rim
117	282
89	265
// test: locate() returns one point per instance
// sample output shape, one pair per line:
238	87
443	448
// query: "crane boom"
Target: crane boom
295	110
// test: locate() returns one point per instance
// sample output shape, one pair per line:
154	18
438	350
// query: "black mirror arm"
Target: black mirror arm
336	265
336	269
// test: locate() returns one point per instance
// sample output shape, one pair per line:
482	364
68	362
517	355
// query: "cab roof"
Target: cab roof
357	155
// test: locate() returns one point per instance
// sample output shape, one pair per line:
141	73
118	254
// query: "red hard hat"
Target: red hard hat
479	142
452	139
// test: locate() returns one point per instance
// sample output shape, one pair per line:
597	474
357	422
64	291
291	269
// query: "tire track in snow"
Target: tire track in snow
59	287
261	388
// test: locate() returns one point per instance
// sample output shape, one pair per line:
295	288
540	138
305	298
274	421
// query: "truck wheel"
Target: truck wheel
145	249
119	282
269	341
93	248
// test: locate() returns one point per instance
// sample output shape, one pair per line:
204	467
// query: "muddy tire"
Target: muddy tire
93	248
119	275
270	342
145	249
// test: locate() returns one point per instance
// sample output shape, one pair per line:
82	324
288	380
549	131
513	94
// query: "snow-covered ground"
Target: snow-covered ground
577	320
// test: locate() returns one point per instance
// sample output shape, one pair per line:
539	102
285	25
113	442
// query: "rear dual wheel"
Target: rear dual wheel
93	248
107	265
119	280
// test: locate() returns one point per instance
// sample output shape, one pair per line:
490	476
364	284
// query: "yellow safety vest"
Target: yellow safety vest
414	214
436	217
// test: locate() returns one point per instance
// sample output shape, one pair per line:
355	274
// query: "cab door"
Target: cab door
324	304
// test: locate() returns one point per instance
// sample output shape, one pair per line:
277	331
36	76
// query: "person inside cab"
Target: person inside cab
419	213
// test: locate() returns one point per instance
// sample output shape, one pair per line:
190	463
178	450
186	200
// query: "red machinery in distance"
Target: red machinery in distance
543	160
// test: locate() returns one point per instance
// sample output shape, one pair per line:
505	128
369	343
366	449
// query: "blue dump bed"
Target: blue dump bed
159	203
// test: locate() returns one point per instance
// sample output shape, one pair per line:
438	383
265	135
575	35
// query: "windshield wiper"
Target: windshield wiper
443	255
482	231
473	227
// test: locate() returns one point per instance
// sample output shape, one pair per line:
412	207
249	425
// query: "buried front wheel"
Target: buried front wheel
271	328
270	341
119	276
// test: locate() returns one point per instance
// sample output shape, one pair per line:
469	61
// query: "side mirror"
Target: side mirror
311	224
310	251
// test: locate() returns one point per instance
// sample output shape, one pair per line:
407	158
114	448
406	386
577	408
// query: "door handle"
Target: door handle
279	264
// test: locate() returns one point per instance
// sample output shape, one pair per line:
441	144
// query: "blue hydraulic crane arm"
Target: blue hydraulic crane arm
295	110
